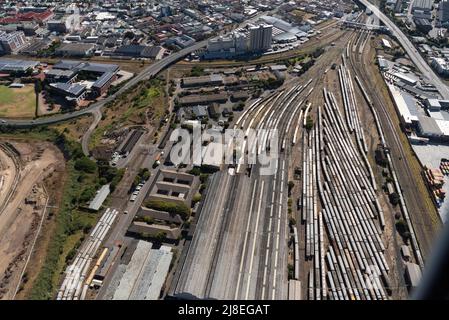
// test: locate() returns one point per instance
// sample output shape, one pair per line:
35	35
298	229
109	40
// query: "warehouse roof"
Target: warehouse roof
103	79
413	273
429	126
199	99
74	89
99	198
191	81
16	65
76	47
59	73
405	109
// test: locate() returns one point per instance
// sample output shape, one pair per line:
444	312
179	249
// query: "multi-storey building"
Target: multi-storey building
260	37
12	42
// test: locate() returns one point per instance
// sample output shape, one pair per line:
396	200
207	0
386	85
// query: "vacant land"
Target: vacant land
21	211
144	105
74	129
17	102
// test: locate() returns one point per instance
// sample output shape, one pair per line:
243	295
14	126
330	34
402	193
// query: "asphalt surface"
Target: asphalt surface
408	46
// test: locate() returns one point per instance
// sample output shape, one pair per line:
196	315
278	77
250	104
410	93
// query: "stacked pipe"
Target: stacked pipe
73	286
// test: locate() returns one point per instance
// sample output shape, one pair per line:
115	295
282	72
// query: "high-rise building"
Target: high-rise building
443	11
260	37
12	42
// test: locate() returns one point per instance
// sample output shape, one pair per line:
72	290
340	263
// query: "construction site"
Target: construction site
23	206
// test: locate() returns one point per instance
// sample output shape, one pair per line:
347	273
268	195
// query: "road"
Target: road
146	73
86	137
408	46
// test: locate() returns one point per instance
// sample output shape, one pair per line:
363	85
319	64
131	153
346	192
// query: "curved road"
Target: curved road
146	73
408	46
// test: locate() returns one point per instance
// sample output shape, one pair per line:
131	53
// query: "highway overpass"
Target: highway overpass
408	46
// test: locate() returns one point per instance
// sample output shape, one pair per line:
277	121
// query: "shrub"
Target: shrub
170	207
86	165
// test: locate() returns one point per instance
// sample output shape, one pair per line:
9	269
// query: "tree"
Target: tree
196	198
174	208
309	123
291	184
197	71
394	198
160	236
86	165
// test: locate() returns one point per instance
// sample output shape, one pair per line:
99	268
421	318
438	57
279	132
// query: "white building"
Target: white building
241	42
12	42
260	37
226	46
222	43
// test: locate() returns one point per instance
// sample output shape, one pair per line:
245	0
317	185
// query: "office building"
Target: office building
260	37
12	42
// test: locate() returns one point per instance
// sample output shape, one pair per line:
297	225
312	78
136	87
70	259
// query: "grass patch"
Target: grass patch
147	101
17	102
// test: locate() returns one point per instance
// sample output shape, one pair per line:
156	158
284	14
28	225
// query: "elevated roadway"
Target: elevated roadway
146	73
408	46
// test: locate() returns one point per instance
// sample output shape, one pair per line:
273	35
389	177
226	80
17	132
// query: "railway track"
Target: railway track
18	165
400	164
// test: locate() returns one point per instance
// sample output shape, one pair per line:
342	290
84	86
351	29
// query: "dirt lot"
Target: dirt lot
23	212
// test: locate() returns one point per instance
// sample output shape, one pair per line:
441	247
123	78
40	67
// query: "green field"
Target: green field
17	102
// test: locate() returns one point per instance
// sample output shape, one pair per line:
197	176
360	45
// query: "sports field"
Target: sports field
17	102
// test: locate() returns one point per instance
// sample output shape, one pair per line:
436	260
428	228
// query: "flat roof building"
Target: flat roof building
203	99
99	198
76	49
428	127
9	65
209	80
173	186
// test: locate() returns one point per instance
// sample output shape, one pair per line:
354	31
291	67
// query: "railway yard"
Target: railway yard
321	218
323	221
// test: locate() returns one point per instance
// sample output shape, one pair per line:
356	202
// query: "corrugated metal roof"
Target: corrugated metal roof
99	198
